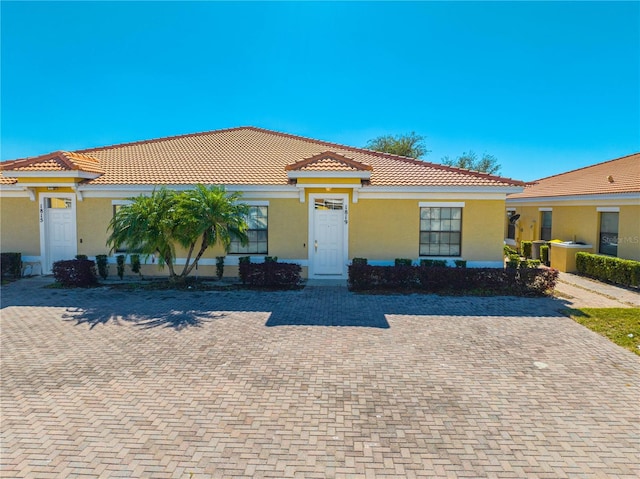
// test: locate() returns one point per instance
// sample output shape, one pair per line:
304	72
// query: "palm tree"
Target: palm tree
154	224
209	215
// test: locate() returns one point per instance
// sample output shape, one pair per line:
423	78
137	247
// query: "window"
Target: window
608	233
545	225
511	226
440	231
257	233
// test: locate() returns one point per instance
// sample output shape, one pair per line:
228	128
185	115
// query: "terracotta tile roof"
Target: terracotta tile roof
328	161
621	175
56	161
254	156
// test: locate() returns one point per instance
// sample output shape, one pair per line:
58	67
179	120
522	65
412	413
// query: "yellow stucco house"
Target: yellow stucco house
315	203
595	209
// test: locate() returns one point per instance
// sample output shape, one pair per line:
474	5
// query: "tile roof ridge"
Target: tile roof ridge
582	168
391	156
163	138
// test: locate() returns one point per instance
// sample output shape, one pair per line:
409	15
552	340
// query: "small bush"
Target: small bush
513	261
243	270
508	250
219	267
403	262
527	247
11	265
120	265
544	254
433	263
82	256
103	267
135	263
359	261
270	259
460	263
75	272
271	274
607	268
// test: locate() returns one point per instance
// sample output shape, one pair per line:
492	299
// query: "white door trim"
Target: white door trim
42	212
345	234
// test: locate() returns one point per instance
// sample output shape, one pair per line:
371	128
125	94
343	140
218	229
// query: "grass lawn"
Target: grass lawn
620	325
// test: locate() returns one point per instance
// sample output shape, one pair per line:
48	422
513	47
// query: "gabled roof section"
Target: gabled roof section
618	176
56	161
328	161
255	156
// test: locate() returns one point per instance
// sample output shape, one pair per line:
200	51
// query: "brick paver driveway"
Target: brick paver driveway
313	383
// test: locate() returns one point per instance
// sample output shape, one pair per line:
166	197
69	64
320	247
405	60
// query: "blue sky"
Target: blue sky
545	87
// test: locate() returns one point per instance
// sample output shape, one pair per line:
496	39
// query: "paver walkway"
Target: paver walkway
313	383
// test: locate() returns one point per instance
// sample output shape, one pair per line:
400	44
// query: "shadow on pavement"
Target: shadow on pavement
311	306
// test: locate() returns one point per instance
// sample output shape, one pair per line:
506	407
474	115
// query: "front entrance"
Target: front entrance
328	252
57	229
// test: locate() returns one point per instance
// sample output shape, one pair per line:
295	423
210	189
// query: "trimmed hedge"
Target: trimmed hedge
608	268
527	248
519	282
75	272
271	274
10	265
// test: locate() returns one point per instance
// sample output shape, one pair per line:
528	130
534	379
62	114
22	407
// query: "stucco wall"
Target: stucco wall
389	229
19	226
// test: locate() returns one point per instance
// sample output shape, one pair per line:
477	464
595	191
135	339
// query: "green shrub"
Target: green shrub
359	261
433	263
82	256
526	249
11	265
270	259
135	263
530	263
120	265
544	254
608	268
271	274
430	279
403	262
513	261
460	263
219	266
75	272
508	250
103	267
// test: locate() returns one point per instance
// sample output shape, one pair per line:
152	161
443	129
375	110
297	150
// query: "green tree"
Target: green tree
155	224
470	161
411	145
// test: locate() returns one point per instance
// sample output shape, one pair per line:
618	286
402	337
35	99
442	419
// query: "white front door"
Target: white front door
58	229
328	253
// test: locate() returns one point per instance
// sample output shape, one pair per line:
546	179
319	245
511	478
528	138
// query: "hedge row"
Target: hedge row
520	282
608	268
75	272
271	274
10	265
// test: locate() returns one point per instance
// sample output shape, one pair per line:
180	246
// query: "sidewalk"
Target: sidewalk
583	292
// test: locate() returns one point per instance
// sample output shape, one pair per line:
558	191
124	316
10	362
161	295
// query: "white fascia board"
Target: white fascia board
127	191
13	191
52	174
363	175
608	209
579	200
441	204
365	194
506	190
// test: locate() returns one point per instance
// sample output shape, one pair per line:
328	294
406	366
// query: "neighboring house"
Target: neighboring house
598	206
315	203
